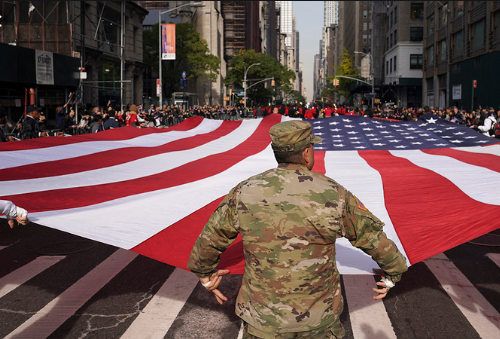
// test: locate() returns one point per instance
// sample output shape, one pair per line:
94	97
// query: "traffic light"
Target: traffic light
273	83
335	82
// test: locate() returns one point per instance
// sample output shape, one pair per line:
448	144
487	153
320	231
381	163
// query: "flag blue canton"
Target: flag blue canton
355	133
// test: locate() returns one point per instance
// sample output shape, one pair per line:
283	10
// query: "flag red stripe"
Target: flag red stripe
111	157
89	195
430	214
122	133
489	161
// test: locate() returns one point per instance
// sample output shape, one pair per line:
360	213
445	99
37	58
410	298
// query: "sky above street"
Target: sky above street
309	16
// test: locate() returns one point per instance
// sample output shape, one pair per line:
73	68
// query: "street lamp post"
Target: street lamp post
160	13
371	74
245	83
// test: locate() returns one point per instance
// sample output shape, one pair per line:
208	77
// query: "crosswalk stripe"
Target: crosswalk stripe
495	257
156	318
55	313
18	277
368	317
480	314
2	247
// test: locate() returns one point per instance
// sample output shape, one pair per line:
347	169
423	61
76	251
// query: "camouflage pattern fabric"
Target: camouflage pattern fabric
289	219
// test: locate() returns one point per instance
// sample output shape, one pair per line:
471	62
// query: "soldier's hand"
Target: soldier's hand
382	292
214	281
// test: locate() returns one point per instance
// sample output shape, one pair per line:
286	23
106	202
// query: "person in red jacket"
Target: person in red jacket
131	119
309	114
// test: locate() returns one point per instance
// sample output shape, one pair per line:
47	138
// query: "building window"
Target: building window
442	50
416	34
417	10
390	40
365	26
369	38
386	67
395	15
458	43
458	8
365	13
496	25
430	55
395	63
387	45
391	19
395	36
416	61
430	24
477	34
370	25
390	63
365	38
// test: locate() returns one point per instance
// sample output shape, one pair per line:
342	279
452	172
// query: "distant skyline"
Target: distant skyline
309	16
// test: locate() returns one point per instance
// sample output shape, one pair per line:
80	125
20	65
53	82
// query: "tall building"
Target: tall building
103	37
461	49
330	17
403	57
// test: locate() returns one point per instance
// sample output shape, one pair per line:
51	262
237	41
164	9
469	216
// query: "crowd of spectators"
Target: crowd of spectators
98	119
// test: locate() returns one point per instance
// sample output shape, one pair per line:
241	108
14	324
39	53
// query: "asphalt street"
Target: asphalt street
106	292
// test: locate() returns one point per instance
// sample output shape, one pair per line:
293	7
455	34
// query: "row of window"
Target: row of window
477	39
416	62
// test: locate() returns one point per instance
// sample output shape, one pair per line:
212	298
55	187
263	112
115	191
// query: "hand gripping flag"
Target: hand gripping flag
434	183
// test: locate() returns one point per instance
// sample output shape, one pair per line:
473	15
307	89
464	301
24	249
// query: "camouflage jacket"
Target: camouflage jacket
289	219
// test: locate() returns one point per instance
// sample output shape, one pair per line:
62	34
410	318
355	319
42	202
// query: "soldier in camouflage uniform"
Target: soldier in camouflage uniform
289	218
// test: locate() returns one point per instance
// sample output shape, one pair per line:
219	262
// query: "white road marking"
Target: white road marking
369	317
18	277
495	257
478	311
55	313
156	318
2	247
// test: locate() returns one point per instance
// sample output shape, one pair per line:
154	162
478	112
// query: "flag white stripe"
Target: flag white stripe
120	222
157	317
55	313
495	257
490	149
34	156
18	277
352	172
368	317
134	169
480	314
459	173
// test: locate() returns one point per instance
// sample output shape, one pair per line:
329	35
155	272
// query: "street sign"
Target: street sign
474	83
369	95
184	75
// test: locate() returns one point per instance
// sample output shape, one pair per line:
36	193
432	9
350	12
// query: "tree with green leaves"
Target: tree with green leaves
268	68
346	68
192	56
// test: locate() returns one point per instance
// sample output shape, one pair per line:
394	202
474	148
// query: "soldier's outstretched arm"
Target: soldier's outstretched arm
220	231
364	230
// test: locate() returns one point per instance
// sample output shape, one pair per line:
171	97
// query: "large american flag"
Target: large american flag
434	183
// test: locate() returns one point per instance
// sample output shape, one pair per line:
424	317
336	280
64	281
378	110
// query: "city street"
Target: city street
106	292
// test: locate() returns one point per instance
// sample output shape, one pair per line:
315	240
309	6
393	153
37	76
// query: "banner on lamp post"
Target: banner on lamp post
168	41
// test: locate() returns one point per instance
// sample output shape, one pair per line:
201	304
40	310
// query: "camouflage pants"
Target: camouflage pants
335	332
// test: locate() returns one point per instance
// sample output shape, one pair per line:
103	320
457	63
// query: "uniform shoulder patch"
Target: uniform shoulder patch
360	204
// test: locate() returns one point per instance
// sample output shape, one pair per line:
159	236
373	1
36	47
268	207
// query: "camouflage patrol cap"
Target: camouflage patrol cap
289	136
